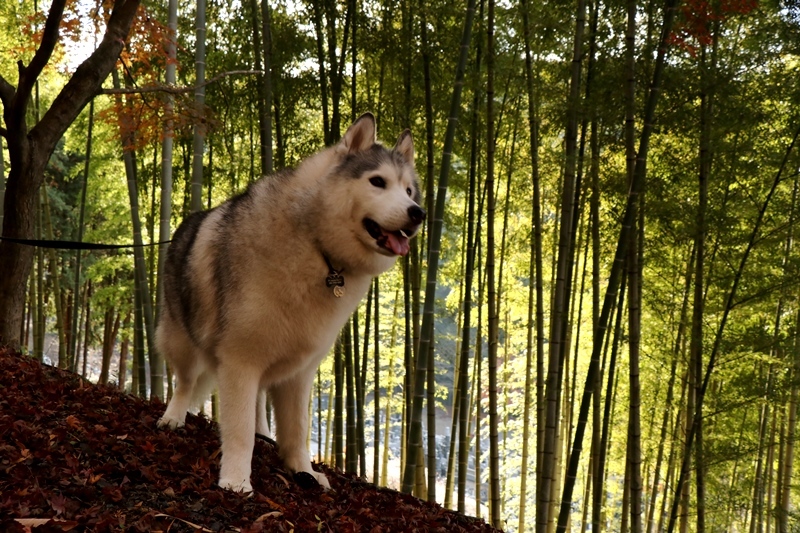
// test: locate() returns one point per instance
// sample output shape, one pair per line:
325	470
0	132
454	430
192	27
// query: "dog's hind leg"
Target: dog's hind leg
290	401
188	368
262	425
238	393
183	398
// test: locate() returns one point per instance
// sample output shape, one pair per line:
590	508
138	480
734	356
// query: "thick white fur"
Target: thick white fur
281	320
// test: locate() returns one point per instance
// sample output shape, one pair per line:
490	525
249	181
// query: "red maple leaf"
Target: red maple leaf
58	502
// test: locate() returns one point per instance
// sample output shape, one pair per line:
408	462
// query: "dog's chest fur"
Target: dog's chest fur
277	307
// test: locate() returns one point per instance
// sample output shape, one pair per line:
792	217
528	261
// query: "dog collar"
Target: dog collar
335	279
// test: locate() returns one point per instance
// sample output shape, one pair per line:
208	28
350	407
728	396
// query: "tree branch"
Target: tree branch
6	92
178	90
29	74
89	75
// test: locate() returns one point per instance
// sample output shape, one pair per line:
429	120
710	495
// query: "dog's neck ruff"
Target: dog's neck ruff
335	279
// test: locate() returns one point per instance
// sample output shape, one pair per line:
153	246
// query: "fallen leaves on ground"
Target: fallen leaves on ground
79	457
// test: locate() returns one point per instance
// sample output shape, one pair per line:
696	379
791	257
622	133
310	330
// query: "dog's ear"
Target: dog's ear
405	146
360	135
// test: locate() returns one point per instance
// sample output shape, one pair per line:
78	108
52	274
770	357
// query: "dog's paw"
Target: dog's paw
299	463
236	485
321	478
170	422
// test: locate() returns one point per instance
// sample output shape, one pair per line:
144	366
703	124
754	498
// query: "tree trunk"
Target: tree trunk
677	429
463	378
112	320
598	491
786	459
143	302
477	385
361	383
72	352
536	266
354	61
491	293
30	149
594	215
408	364
626	486
338	404
429	132
415	418
330	428
634	279
696	344
757	518
770	471
634	436
139	368
786	498
199	133
545	512
266	33
430	391
164	233
87	332
376	441
336	65
622	242
455	391
260	97
53	264
670	391
388	416
2	183
123	354
351	450
323	78
38	282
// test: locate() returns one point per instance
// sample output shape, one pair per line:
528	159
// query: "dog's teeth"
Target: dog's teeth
403	233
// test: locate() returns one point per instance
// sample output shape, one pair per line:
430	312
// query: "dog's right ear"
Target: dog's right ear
360	135
405	146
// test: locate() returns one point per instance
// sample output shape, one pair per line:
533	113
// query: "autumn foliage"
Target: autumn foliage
82	457
695	26
141	114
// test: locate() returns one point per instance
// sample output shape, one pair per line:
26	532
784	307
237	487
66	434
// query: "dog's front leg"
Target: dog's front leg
238	389
290	403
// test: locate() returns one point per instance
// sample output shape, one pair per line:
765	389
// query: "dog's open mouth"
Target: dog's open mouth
394	241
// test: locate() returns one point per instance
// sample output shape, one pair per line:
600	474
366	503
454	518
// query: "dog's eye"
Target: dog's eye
408	192
378	181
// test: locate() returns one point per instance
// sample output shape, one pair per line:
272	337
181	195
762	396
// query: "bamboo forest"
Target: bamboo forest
598	326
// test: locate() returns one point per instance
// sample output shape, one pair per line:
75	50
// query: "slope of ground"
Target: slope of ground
78	457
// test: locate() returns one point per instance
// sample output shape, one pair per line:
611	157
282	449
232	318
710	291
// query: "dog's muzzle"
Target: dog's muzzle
396	241
416	214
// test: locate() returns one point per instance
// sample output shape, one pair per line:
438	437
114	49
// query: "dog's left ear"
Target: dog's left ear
405	146
360	135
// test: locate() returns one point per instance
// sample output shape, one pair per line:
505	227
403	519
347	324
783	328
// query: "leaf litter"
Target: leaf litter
79	457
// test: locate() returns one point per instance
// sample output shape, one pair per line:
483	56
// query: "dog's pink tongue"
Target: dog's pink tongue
397	243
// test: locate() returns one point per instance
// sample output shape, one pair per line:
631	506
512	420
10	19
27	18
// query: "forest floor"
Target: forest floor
75	457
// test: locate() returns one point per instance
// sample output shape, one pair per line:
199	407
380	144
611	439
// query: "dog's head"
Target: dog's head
381	191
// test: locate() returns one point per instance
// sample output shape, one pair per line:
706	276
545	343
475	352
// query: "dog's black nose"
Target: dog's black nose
416	214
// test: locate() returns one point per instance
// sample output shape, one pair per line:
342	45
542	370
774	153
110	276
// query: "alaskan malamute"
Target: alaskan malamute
257	289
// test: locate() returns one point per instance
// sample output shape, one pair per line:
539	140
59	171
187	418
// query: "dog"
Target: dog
257	289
